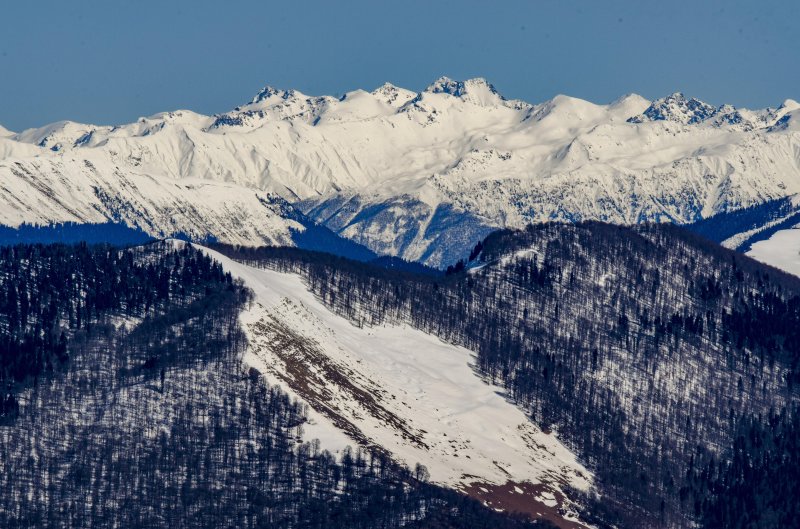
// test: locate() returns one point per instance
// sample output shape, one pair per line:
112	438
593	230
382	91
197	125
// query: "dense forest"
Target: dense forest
755	486
638	345
126	405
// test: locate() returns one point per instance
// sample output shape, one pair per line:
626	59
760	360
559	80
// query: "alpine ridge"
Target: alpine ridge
420	175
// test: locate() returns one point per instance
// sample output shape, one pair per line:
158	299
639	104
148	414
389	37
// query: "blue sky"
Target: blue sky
111	61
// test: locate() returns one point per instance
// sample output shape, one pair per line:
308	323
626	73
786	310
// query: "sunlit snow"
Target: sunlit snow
429	407
782	250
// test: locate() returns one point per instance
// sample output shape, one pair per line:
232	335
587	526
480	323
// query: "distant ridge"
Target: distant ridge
419	175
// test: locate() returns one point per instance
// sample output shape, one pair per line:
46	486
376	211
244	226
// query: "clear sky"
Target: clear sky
111	61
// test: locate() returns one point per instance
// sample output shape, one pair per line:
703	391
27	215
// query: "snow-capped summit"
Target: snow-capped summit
566	108
271	98
393	95
478	90
59	135
357	105
628	105
272	104
732	117
5	133
781	115
445	85
789	105
269	92
789	121
676	107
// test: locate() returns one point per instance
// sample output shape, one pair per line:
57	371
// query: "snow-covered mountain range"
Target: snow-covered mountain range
420	175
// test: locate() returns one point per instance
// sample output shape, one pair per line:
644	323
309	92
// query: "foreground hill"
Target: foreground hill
645	349
398	391
578	374
125	404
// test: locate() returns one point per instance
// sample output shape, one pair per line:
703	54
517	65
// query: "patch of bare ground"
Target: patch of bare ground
537	501
317	379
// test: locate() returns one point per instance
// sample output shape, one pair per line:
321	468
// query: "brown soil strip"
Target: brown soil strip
311	374
507	498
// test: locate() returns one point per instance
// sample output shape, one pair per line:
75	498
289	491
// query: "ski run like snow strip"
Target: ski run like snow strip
397	389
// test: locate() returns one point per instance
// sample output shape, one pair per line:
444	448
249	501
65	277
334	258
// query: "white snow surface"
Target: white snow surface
69	189
379	167
429	407
781	250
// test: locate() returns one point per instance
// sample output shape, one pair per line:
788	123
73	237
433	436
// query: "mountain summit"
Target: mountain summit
477	90
676	107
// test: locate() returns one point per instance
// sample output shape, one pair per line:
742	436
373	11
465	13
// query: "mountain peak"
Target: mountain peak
393	95
56	136
564	110
627	106
477	90
789	105
730	115
387	87
677	108
269	92
630	98
445	85
789	121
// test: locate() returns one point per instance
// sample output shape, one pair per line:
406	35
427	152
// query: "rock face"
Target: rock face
420	175
676	108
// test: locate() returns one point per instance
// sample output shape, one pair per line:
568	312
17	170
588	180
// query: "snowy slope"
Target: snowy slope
424	175
42	191
782	250
399	390
739	229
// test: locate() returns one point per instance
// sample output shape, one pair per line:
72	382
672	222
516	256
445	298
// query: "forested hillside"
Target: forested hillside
126	405
637	345
754	485
670	365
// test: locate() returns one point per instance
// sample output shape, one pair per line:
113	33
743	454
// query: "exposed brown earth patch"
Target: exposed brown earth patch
313	376
537	501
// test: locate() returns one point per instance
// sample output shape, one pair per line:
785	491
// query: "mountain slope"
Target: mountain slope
781	250
423	175
638	346
69	189
740	229
395	390
125	404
